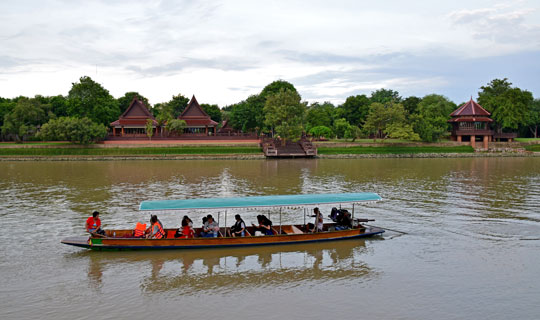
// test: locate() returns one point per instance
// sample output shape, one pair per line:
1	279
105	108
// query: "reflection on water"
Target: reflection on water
472	246
214	271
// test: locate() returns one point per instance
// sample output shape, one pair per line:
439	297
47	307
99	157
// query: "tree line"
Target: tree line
84	115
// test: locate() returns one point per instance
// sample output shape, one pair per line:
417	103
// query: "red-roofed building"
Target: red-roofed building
132	123
198	122
471	121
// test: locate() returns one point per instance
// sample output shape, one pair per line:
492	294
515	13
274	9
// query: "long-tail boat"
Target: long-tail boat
283	234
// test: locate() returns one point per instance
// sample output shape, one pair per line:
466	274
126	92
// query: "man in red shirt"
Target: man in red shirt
93	224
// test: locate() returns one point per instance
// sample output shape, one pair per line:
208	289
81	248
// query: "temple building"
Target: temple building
471	121
132	123
198	122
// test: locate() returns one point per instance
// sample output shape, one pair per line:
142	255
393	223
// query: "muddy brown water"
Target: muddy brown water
471	248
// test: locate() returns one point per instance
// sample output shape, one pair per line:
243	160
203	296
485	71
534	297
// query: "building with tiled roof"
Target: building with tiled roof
471	121
133	121
198	122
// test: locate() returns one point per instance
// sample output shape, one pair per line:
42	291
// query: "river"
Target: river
468	246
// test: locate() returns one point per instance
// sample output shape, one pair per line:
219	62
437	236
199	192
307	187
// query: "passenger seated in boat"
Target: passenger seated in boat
140	230
93	224
319	223
156	229
345	221
210	228
265	225
187	230
239	227
180	232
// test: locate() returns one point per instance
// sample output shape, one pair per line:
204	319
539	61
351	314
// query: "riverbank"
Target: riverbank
250	150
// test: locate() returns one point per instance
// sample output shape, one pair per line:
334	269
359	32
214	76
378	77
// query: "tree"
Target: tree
149	128
248	115
285	113
321	131
509	106
173	108
88	98
213	111
76	130
320	115
353	132
6	106
385	96
411	104
125	101
388	121
340	127
533	118
176	126
24	119
275	87
431	121
355	109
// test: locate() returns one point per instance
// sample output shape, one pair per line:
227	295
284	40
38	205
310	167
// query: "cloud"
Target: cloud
499	24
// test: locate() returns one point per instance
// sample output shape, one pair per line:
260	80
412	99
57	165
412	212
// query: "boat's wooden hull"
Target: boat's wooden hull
114	243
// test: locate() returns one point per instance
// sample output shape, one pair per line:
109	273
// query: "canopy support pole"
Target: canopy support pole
353	211
304	217
279	220
225	222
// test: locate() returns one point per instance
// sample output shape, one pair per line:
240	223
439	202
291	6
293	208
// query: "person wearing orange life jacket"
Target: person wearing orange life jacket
139	231
156	230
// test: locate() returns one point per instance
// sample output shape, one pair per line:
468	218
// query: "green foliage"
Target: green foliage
172	109
431	120
355	109
340	127
385	96
127	151
353	133
6	106
125	101
388	121
320	115
533	147
213	111
88	98
59	105
321	131
248	115
533	118
275	87
411	104
285	113
149	128
394	150
24	119
76	130
176	126
509	106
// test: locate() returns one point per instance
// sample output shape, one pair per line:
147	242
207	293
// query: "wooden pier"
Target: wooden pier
276	148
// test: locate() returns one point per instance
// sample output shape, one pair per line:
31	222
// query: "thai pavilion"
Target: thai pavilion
198	122
471	121
132	123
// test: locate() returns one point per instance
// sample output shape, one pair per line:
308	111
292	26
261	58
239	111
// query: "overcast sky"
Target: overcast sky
225	51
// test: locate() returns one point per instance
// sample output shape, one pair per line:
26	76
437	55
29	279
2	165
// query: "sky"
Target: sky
224	51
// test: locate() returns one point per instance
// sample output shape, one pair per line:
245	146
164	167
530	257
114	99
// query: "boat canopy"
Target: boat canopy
259	201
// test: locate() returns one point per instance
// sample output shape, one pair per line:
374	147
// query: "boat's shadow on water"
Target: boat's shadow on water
200	271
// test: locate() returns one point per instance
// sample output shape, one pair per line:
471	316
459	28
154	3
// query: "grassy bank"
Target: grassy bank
394	150
533	147
127	151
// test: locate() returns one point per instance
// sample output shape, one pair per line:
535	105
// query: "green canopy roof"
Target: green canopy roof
259	201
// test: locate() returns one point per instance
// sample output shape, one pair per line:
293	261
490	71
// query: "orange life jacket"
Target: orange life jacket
161	233
139	230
